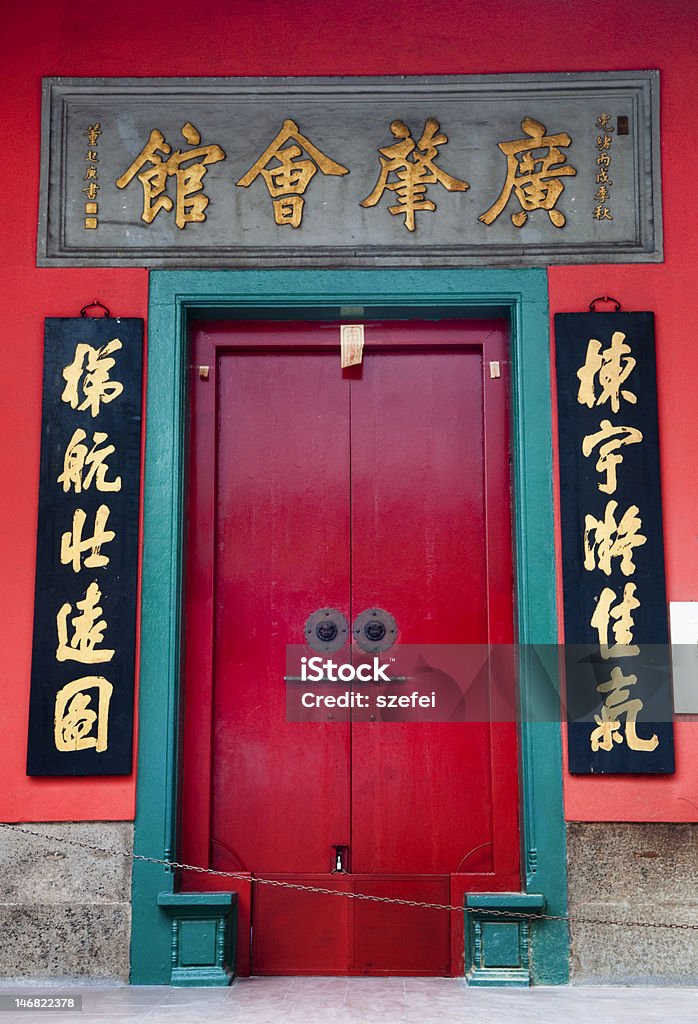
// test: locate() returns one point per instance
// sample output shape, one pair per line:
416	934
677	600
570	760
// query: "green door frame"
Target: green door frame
176	297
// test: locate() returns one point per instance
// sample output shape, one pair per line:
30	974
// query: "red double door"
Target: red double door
312	487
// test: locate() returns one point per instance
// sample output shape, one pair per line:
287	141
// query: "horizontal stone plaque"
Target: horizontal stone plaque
517	170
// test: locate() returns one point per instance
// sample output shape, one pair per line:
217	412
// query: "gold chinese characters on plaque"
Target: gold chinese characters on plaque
81	715
617	651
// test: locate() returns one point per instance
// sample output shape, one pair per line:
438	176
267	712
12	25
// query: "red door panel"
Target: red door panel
300	932
394	939
386	485
418	488
281	791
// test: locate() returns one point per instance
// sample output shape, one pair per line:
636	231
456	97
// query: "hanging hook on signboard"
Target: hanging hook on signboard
604	298
90	305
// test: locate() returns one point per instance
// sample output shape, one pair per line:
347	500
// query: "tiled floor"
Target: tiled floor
362	1001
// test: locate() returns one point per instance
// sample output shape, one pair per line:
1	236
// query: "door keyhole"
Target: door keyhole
339	859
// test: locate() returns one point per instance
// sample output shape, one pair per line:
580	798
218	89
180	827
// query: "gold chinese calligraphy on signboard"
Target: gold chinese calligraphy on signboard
85	594
408	168
604	142
187	167
287	173
612	537
613	566
91	175
533	178
78	725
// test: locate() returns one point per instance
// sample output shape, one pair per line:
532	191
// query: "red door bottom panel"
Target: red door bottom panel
308	933
301	932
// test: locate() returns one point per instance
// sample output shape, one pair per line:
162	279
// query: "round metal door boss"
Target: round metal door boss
326	630
375	630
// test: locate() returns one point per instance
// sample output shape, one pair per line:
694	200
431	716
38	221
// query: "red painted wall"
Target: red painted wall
332	37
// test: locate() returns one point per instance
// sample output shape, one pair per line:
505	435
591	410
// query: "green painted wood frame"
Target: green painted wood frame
176	297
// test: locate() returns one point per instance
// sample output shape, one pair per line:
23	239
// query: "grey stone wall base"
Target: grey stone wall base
66	912
633	872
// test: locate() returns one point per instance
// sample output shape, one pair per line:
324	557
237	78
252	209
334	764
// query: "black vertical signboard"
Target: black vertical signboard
618	680
83	655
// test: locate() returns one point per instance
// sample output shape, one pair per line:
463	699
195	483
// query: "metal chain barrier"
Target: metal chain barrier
172	865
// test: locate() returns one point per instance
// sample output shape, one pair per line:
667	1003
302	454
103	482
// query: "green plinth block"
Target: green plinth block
202	946
497	938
